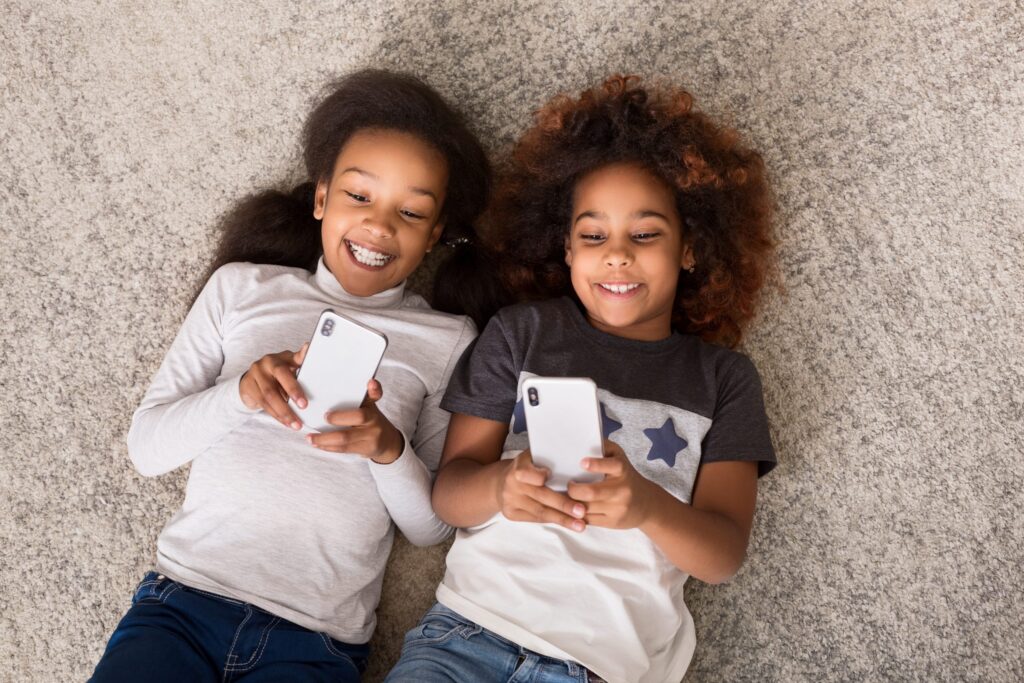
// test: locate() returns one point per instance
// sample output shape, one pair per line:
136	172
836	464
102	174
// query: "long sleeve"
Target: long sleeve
405	484
267	519
185	410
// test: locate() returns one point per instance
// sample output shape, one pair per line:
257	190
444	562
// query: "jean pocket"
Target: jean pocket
154	588
438	626
356	655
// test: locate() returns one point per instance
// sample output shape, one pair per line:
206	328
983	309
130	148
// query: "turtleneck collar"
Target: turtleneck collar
329	284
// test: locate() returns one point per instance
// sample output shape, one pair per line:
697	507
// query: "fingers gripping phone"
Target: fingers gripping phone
343	355
563	421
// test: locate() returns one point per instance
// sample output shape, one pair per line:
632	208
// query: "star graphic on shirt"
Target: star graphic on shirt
665	443
608	425
519	418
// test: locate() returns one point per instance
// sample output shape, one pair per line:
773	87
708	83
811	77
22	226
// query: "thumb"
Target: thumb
612	449
529	471
300	355
374	392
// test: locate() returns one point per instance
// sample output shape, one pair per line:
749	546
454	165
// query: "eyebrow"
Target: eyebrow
417	190
643	213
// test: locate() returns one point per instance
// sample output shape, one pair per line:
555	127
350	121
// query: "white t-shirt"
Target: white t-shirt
606	598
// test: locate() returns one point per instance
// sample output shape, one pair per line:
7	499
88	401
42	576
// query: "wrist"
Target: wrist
389	455
244	394
500	472
652	507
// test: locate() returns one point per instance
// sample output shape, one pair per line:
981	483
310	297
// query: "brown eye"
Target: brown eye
357	197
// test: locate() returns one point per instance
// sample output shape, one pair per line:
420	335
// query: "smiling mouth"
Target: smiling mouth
370	258
619	288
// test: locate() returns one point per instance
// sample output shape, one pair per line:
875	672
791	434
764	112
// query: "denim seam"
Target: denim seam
503	640
330	647
577	670
231	655
464	631
470	630
215	596
147	591
445	615
526	667
142	587
166	592
258	654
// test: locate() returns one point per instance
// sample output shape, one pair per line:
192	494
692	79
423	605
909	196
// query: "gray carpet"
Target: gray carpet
888	543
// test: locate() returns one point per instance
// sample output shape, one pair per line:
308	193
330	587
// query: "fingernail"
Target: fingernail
577	525
309	439
302	403
585	463
578	510
296	425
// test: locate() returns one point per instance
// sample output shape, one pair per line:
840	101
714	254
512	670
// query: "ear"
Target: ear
435	235
320	200
687	259
568	252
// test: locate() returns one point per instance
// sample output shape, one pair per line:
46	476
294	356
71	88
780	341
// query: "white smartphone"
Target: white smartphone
343	355
563	421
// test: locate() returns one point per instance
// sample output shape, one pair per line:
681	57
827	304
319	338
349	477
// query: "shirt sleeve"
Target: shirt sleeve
186	410
405	484
486	379
739	428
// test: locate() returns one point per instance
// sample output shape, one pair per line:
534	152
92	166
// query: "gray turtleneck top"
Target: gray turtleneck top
267	518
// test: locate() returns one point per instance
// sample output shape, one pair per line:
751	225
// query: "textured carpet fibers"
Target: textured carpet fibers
888	544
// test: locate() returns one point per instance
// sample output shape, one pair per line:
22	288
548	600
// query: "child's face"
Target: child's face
380	209
624	250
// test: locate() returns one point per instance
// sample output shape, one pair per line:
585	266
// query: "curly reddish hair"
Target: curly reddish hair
720	187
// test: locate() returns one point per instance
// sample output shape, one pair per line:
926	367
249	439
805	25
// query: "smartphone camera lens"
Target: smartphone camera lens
531	394
327	328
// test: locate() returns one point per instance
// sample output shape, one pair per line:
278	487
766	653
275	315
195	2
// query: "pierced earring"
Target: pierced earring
690	269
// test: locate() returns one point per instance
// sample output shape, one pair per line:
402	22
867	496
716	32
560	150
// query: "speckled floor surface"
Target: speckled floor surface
888	543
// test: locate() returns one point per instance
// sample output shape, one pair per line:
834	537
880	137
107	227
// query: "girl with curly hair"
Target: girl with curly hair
638	230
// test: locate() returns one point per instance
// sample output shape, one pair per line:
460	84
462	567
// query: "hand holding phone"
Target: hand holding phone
343	356
269	384
523	496
563	421
363	431
624	500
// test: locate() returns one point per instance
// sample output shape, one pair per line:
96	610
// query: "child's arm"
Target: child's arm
184	411
706	539
474	484
404	471
403	480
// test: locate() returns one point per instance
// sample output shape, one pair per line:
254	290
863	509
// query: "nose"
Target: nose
618	255
379	226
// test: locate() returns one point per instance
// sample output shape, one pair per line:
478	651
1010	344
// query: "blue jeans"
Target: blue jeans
446	647
176	633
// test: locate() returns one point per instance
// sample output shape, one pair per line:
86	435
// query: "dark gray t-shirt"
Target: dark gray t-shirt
672	404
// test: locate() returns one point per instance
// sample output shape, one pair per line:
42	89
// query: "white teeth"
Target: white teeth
369	257
619	289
